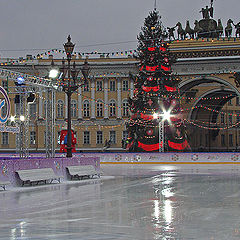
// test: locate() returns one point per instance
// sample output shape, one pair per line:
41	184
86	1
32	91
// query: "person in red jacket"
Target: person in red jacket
63	141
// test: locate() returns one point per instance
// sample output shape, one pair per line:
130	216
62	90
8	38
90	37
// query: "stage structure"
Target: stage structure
35	85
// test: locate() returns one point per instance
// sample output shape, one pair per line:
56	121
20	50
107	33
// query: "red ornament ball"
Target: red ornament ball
166	59
149	132
150	78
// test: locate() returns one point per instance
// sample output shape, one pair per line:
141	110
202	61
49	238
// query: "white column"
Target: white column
119	100
80	102
65	105
131	88
40	106
105	98
93	98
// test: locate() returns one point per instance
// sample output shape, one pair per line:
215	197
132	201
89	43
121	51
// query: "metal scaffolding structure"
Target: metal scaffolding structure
50	123
29	79
37	84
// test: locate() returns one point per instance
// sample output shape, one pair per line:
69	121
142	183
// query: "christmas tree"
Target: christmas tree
156	120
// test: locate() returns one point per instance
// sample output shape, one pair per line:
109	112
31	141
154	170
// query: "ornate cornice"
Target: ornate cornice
209	53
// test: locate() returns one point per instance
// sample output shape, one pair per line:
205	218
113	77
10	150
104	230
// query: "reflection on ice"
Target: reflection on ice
168	211
156	210
136	207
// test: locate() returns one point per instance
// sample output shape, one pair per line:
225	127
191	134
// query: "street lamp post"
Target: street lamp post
162	117
70	86
161	135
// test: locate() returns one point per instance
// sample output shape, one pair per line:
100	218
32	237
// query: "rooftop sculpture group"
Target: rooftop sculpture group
207	27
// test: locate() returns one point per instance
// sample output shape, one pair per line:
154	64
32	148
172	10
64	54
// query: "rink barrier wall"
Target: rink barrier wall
167	158
8	166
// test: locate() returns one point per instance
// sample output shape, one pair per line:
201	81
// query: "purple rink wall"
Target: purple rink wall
167	158
9	165
217	160
157	163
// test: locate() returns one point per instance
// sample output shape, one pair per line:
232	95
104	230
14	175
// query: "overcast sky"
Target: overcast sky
45	24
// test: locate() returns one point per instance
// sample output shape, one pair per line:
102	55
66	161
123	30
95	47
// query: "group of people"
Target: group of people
108	143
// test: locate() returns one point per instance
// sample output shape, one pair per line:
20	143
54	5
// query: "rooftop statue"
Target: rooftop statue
237	26
208	24
207	27
219	28
171	33
207	12
189	30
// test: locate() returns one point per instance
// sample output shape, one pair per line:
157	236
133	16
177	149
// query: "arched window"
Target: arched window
99	108
125	108
74	108
45	109
60	108
112	108
86	86
86	109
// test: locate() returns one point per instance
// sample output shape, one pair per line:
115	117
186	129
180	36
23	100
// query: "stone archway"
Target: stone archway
190	83
213	97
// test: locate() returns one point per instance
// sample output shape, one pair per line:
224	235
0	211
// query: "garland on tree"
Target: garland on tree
155	92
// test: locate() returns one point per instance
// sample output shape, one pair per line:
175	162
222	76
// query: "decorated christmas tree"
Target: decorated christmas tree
156	121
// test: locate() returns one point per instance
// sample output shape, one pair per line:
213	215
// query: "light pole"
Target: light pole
70	85
19	122
162	117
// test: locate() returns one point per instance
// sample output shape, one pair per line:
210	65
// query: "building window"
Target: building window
230	102
32	110
86	137
5	84
86	110
99	86
238	116
99	137
112	85
230	119
45	108
86	86
206	140
32	137
237	101
45	138
125	108
5	140
60	108
99	108
230	140
112	108
125	85
200	140
125	135
222	118
112	137
4	110
74	108
222	140
17	109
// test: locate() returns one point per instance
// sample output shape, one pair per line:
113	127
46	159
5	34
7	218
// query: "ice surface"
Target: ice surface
139	203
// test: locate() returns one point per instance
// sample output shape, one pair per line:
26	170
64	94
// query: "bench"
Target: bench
3	184
37	175
80	172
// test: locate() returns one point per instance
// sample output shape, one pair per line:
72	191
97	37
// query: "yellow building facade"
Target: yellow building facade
209	97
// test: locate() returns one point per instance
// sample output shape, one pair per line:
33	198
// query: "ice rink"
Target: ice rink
127	203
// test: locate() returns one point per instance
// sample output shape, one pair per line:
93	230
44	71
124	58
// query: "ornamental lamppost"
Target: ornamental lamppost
70	84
